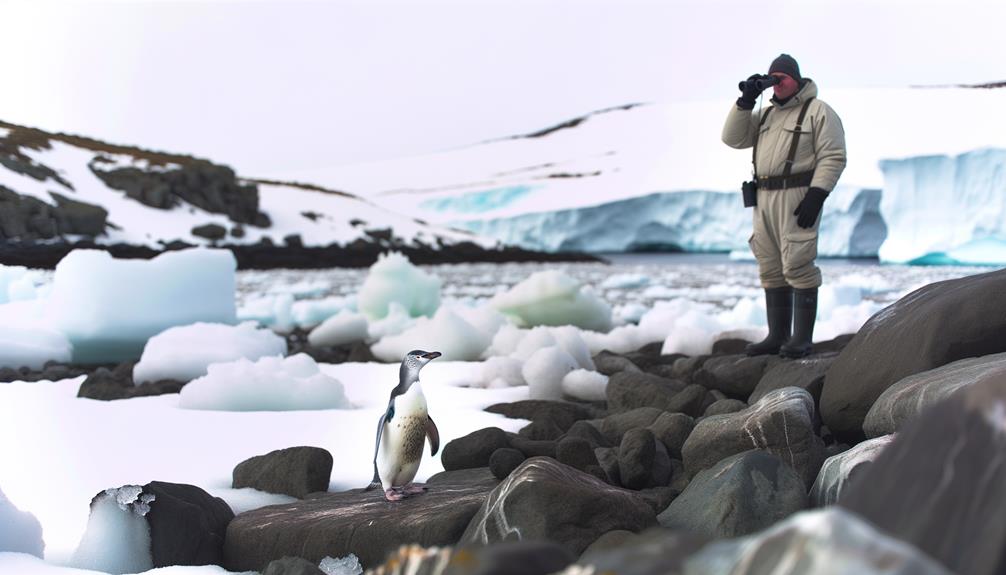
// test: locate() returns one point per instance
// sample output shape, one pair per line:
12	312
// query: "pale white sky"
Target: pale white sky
274	86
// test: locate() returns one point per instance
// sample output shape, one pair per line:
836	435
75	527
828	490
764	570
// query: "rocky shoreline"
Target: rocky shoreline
880	453
359	254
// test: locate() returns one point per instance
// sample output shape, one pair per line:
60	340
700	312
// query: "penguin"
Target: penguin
401	431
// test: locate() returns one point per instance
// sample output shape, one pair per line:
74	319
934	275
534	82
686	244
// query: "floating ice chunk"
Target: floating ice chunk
506	340
630	313
117	537
31	346
108	308
17	283
505	371
269	384
348	565
345	327
626	281
545	370
482	317
445	332
274	311
394	279
397	321
533	340
692	334
553	298
183	353
310	313
585	385
568	338
20	531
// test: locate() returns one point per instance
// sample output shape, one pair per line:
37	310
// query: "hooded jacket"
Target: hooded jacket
822	141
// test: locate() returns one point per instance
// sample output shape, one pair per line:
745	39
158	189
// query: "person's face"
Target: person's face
786	87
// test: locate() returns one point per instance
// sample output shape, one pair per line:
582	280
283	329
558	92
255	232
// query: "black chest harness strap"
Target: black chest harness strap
786	180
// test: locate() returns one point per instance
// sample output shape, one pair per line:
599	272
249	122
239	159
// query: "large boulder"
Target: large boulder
357	521
630	390
941	484
656	551
546	500
782	423
827	542
735	375
930	327
562	413
111	384
807	373
295	471
740	495
187	525
911	396
643	460
839	470
473	450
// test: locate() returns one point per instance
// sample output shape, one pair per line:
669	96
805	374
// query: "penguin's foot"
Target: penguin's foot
394	494
414	489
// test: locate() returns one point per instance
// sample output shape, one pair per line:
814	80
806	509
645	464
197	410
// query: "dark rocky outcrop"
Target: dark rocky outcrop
294	471
935	325
211	187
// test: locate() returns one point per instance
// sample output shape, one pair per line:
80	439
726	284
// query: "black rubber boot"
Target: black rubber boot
779	312
804	316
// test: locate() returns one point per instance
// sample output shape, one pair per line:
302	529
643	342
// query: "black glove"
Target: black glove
749	94
810	207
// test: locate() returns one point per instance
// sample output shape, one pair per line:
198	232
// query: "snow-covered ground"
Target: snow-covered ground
59	450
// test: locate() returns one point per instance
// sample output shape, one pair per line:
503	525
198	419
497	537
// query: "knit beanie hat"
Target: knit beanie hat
787	65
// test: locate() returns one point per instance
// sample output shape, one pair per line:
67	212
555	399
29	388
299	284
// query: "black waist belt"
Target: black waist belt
783	182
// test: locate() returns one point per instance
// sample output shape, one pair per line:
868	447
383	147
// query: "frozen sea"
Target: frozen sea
58	451
643	278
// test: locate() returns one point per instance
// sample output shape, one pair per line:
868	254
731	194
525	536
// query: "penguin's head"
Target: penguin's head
414	361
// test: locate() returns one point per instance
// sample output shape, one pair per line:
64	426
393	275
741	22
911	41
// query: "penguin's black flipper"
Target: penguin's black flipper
433	434
385	417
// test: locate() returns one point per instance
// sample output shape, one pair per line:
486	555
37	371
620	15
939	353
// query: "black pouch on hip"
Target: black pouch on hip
749	191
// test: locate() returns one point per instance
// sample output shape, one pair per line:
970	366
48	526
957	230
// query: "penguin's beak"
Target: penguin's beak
432	355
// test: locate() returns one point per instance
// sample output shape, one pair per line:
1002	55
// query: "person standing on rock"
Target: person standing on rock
798	155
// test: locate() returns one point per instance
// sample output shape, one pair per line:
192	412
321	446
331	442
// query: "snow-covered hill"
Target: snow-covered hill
58	190
537	189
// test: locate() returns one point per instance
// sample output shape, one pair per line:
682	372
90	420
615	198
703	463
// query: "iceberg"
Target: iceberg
689	221
945	210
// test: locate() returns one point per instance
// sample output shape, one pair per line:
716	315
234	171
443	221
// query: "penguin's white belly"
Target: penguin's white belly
403	441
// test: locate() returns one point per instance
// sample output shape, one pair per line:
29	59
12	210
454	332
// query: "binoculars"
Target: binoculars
759	83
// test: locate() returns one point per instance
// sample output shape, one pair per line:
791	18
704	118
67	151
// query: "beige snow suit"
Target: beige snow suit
785	251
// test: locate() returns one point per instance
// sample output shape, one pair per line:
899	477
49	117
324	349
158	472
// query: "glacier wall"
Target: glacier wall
945	210
692	221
